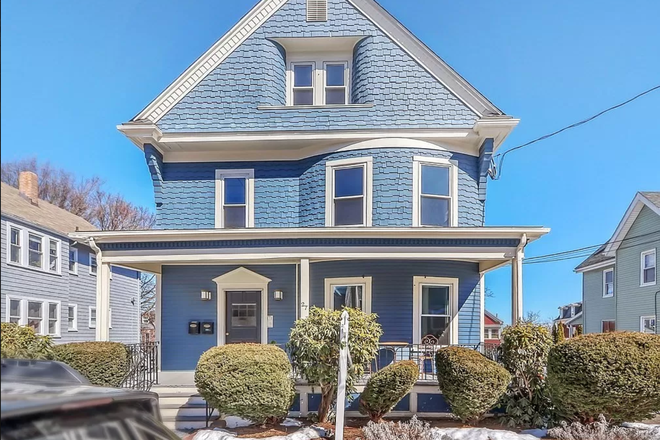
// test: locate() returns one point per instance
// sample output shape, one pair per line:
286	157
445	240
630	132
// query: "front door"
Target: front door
243	317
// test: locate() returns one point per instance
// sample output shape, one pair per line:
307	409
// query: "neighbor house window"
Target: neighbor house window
648	268
319	81
72	318
336	91
647	324
93	266
42	316
15	246
348	192
352	292
434	308
42	252
609	326
608	283
234	199
435	187
73	261
92	317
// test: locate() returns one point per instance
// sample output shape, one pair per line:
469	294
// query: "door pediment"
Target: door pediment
241	276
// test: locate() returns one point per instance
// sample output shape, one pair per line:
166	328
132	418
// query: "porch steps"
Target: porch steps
181	407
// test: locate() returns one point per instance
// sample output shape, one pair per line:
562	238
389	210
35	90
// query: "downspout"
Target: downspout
99	281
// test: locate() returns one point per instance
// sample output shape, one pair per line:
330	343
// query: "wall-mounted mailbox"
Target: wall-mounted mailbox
193	328
207	328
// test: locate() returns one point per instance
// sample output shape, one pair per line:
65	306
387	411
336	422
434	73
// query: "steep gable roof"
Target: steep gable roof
45	215
260	13
494	318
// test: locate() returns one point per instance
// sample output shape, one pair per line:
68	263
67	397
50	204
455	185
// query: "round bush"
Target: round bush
387	387
21	342
470	383
251	381
102	363
614	374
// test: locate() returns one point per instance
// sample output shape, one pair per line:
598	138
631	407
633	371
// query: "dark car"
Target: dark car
49	400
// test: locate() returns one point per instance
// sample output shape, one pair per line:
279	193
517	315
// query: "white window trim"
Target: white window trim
347	79
89	317
418	282
318	61
75	318
330	166
605	272
93	255
24	233
643	318
641	271
418	161
365	282
220	176
45	305
75	267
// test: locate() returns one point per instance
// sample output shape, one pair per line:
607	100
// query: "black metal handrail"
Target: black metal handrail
143	366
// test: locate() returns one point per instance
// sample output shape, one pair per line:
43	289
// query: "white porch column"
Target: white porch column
158	314
304	287
482	305
102	301
517	282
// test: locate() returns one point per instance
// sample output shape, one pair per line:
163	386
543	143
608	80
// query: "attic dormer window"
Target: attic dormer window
317	10
319	82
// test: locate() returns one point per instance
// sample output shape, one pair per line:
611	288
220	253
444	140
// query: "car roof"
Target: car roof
20	399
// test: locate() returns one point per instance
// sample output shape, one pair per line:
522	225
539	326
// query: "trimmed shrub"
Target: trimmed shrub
251	381
471	383
314	348
601	430
102	363
21	342
524	353
615	374
387	387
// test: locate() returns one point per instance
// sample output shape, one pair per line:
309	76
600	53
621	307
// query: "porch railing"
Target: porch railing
143	366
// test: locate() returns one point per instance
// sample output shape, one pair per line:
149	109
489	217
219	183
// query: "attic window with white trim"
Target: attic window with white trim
317	10
317	80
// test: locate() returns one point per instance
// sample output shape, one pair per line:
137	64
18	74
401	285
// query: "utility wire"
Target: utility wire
584	252
498	171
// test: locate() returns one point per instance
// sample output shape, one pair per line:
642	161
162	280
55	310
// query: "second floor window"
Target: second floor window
33	249
648	268
608	283
16	251
319	83
434	192
234	199
348	192
93	266
73	261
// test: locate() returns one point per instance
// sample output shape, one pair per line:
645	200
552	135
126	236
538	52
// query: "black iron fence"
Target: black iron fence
143	366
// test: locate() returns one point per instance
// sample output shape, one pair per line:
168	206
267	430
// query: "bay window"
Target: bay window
348	192
435	192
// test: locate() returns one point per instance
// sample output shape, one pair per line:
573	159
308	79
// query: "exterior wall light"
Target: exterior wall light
278	295
207	295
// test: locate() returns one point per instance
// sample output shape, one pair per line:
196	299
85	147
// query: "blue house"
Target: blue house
49	281
318	154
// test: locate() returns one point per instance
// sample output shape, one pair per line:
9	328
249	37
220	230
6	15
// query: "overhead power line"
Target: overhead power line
586	251
498	170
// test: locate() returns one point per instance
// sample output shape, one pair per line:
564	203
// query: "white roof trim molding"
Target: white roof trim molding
626	223
205	64
401	36
603	264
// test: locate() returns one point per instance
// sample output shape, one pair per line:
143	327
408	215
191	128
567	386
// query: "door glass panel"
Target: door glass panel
435	300
243	315
436	326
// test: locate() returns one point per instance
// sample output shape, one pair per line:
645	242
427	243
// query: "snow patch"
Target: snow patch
478	434
303	434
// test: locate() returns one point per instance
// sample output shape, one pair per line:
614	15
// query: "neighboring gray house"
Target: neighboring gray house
49	281
571	316
620	289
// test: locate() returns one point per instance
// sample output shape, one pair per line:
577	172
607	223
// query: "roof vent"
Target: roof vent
317	10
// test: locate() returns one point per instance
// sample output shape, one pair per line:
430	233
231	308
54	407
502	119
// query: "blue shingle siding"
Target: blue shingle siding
485	157
403	94
181	304
292	193
78	289
392	292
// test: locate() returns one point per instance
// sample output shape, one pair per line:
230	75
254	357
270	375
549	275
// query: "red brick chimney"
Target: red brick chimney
28	186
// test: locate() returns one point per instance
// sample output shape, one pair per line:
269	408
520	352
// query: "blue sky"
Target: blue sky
71	71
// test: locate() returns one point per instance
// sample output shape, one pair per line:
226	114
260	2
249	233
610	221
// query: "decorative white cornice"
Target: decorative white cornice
497	128
205	64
